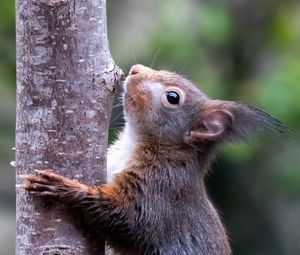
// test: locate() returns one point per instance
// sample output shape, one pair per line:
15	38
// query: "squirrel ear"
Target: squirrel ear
232	121
213	126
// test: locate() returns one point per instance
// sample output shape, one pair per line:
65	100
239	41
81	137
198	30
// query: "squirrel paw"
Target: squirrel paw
44	183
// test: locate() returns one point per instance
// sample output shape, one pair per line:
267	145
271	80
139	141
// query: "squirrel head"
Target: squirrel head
166	107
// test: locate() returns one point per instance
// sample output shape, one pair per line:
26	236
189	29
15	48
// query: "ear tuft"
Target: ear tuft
223	121
250	120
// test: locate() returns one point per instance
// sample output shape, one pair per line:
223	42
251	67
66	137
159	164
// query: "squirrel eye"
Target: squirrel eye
173	97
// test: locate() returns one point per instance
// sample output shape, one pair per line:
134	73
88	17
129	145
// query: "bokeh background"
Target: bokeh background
246	50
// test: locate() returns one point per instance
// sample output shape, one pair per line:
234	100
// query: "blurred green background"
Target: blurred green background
247	50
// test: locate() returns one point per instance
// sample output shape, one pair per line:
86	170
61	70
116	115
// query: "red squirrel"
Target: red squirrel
155	201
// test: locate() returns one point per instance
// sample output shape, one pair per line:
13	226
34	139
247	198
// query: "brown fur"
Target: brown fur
158	203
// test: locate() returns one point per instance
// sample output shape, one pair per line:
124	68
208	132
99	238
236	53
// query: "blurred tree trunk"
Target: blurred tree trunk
66	79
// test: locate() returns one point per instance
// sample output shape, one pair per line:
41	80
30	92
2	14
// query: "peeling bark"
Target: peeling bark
66	80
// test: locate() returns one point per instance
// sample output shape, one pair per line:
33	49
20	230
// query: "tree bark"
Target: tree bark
66	80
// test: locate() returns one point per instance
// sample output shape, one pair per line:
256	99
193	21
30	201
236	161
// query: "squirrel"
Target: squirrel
155	200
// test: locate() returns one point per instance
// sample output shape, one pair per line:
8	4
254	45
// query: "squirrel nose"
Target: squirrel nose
136	69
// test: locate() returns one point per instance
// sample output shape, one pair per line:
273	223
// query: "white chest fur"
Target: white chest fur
120	152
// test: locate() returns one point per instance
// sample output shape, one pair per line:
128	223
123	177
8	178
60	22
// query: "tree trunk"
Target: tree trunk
66	79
